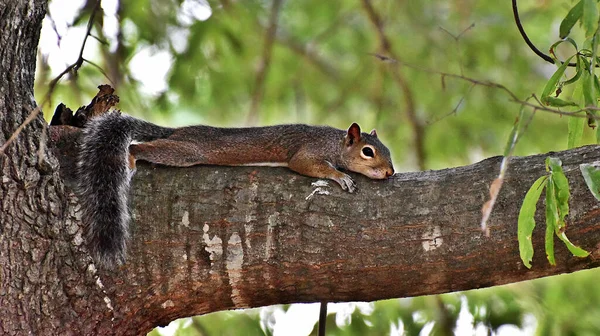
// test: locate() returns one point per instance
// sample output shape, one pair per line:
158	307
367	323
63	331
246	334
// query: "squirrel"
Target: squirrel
112	142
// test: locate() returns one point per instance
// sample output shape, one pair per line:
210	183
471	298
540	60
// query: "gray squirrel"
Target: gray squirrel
112	142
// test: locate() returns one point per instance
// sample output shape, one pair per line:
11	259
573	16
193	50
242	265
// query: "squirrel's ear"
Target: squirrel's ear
353	134
374	133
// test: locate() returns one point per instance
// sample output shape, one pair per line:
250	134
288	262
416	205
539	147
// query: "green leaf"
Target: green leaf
557	102
526	221
590	17
579	69
569	21
589	92
575	131
561	190
549	243
557	208
551	220
591	175
554	80
575	250
575	124
595	92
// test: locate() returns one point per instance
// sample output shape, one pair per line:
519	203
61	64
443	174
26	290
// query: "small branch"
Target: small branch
455	109
457	41
100	40
29	119
55	28
75	66
322	318
513	97
101	70
457	37
496	185
79	61
538	52
265	62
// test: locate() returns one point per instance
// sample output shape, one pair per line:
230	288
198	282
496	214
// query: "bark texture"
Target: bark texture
212	238
44	280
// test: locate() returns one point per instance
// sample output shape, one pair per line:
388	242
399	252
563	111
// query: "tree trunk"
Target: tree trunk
44	282
212	238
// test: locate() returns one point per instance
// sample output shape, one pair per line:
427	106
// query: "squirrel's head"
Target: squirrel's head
364	153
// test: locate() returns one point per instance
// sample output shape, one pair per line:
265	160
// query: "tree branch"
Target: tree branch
212	238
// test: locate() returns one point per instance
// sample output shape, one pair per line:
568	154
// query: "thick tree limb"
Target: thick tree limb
212	238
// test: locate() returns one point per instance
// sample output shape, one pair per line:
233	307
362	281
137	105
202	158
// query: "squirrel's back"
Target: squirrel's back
250	145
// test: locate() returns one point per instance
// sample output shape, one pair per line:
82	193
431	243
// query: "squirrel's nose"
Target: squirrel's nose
389	172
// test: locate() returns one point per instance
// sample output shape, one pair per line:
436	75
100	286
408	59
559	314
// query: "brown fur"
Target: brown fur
315	151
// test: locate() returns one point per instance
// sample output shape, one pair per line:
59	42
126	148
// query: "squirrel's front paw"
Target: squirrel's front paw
347	183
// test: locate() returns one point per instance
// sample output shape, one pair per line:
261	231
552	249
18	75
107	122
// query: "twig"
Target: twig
457	41
527	123
322	318
265	62
455	109
496	185
99	69
32	115
101	41
527	40
55	28
457	37
513	97
75	66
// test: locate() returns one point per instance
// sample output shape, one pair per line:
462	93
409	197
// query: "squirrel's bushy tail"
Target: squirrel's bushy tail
104	175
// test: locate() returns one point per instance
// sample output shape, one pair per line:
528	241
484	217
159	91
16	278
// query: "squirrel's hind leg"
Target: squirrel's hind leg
168	152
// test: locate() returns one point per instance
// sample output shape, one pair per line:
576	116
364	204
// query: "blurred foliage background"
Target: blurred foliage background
379	63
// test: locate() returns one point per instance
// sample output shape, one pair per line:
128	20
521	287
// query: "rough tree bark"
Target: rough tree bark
247	237
211	238
45	282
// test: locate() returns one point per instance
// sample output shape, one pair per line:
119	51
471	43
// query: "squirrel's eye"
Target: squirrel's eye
368	152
